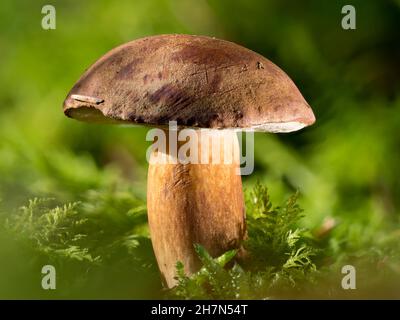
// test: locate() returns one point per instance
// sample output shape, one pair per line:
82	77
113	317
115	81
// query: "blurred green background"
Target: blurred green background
346	166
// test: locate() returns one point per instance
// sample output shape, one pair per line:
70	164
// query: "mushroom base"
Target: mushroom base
194	204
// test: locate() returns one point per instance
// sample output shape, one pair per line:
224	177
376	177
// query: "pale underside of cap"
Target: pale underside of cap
197	81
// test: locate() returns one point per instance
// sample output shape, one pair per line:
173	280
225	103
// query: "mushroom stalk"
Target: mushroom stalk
196	203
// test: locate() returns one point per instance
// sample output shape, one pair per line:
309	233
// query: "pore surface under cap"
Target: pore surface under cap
195	80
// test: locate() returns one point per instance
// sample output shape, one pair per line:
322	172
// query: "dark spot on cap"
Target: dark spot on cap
139	119
170	96
238	114
135	118
172	102
215	82
191	121
128	70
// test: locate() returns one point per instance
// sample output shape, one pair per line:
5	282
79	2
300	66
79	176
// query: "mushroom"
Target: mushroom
199	82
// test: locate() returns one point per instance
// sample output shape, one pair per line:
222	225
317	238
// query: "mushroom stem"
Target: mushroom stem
196	203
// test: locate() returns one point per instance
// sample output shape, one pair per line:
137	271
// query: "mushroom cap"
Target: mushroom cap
197	81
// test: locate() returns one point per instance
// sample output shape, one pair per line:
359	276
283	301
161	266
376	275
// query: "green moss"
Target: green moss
279	255
101	248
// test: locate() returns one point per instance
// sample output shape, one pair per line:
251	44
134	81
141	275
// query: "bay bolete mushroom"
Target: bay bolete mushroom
199	82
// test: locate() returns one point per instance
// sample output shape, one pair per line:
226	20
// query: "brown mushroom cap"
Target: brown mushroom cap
197	81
